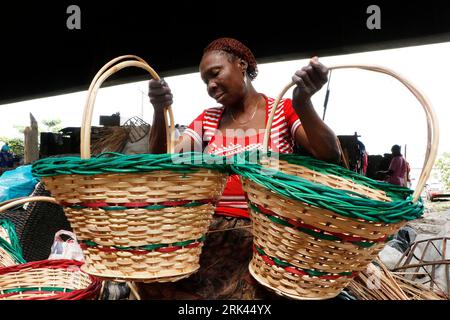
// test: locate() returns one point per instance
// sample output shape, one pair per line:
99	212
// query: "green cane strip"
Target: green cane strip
148	247
347	203
310	272
47	289
150	207
312	233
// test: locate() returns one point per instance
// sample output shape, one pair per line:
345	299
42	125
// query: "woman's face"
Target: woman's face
224	77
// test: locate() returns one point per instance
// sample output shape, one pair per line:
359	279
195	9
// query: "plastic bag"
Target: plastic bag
17	183
69	249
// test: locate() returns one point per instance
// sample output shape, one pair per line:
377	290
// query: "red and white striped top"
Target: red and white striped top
204	131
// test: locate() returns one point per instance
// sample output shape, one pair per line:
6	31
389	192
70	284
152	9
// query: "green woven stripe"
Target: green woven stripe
155	207
343	202
310	232
151	207
119	163
148	247
46	289
311	272
109	208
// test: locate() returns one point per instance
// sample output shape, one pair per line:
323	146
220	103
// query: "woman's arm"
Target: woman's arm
160	97
313	134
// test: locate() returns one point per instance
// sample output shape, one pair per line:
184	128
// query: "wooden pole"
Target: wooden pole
31	143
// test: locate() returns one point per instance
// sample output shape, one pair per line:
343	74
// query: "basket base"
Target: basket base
263	282
145	279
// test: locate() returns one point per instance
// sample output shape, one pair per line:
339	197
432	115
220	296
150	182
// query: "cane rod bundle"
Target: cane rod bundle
378	283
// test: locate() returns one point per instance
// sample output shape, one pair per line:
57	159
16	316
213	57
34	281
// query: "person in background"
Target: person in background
6	148
6	157
397	168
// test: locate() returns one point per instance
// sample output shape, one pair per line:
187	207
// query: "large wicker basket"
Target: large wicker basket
137	217
48	280
308	243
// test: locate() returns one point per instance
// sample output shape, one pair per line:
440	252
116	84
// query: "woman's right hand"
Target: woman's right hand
160	94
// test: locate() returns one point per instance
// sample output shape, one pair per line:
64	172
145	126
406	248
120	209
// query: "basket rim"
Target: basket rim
129	163
84	293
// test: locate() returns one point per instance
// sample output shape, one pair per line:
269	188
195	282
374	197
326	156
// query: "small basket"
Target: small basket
308	241
138	217
48	280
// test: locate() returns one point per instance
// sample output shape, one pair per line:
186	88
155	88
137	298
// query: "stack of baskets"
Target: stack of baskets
317	225
38	280
138	217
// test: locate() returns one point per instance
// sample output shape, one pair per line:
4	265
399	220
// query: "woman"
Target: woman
236	125
398	168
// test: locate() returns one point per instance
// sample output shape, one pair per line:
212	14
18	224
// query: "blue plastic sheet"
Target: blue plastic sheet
17	183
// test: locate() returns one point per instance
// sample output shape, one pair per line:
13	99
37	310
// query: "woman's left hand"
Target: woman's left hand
309	80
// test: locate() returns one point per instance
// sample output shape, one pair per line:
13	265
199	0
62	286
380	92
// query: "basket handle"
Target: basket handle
432	122
101	71
15	202
106	71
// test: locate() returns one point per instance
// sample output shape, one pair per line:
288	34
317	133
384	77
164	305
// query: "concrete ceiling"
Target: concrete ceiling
41	57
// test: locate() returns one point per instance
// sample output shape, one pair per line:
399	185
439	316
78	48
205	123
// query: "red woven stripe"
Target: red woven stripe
295	271
135	204
136	252
94	204
6	295
48	264
267	260
168	249
174	203
193	245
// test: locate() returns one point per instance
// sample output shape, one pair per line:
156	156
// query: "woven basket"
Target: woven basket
37	224
11	252
48	280
308	250
146	225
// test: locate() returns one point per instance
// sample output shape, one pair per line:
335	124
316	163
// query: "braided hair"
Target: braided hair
236	49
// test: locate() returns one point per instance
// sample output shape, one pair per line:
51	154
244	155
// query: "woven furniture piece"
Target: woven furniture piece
316	225
48	280
10	251
137	217
37	224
